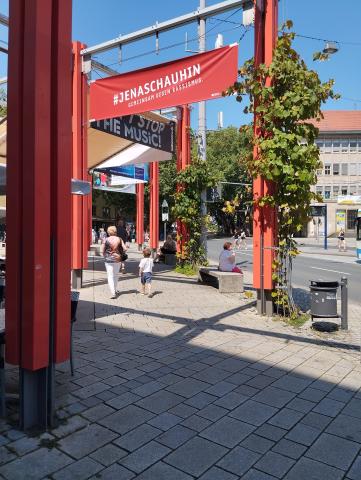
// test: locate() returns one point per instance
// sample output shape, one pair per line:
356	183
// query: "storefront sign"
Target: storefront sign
340	220
138	129
187	80
318	210
137	172
349	199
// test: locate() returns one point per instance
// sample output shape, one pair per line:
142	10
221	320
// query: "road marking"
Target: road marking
334	271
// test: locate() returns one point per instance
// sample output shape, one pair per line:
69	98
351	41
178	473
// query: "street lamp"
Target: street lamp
330	48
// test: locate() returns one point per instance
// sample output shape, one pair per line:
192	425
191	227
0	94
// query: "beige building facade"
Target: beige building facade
339	180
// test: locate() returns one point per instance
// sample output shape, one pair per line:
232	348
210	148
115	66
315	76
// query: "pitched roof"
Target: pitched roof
339	121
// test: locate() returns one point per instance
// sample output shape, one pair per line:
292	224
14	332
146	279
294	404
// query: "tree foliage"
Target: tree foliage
3	103
187	208
284	95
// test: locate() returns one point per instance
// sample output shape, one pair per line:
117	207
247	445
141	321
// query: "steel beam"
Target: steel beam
164	26
103	68
4	20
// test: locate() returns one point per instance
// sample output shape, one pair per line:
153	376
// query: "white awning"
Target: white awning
135	154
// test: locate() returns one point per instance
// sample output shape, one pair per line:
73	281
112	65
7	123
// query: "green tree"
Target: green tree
287	154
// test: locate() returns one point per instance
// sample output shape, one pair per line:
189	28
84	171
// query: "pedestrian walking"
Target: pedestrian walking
145	272
122	233
113	251
243	240
341	241
236	240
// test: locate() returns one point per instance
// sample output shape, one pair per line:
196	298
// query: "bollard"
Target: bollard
344	304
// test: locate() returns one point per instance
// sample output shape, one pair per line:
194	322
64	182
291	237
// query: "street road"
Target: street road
306	267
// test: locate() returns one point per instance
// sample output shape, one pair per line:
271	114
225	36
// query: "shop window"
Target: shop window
344	168
344	190
336	169
106	212
351	219
327	169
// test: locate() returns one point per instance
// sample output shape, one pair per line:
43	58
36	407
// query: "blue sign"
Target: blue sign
138	172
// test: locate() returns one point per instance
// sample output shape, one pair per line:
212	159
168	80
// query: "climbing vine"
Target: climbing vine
191	182
287	154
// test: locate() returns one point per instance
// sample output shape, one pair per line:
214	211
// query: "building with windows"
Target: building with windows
339	180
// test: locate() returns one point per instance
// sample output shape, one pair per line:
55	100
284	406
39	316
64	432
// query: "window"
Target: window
353	189
327	194
319	189
344	190
352	169
345	146
319	144
336	146
335	191
351	219
106	212
336	169
344	168
328	146
359	189
327	169
359	144
353	146
319	172
94	210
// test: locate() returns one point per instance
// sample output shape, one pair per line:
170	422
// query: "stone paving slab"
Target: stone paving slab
191	384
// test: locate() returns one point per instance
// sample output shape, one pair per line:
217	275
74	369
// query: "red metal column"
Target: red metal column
264	220
80	205
179	168
140	214
154	205
38	171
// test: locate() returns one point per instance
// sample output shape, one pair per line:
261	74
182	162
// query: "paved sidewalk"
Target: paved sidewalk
192	384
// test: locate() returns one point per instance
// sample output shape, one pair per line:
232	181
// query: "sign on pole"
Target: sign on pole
192	79
165	212
142	130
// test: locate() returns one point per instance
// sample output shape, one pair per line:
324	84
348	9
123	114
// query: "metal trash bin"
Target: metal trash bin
324	299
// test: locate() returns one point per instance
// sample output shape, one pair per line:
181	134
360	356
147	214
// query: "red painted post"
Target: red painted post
183	160
264	218
140	215
81	217
61	207
154	205
39	155
179	168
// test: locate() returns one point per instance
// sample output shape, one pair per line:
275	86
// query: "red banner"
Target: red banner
199	77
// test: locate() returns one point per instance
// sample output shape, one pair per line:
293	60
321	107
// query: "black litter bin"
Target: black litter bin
324	299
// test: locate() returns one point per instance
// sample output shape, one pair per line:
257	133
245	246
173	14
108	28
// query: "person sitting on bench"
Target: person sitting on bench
227	259
169	248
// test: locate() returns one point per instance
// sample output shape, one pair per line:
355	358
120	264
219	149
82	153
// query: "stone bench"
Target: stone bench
170	259
227	282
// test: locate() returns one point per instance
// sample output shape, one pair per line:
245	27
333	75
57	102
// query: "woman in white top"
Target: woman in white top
227	259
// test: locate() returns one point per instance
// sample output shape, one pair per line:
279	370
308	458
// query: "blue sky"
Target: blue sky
96	21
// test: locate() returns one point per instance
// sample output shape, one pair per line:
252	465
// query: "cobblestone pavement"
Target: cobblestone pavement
192	384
